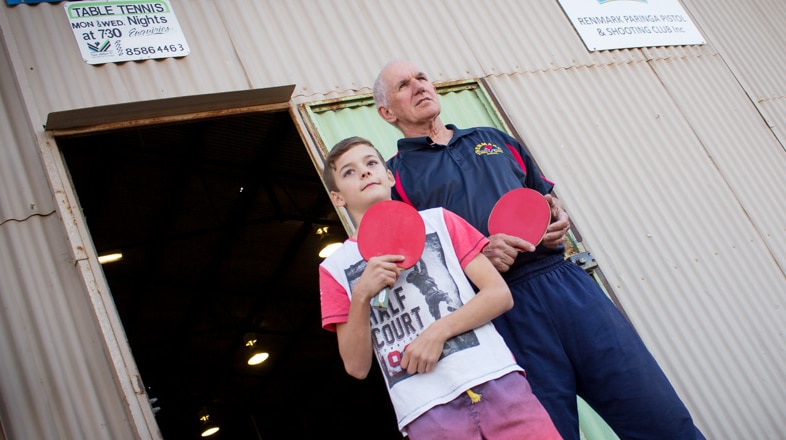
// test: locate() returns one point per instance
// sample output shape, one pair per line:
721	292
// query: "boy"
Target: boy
456	379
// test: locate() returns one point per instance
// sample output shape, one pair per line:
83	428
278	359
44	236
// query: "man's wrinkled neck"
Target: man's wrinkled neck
435	130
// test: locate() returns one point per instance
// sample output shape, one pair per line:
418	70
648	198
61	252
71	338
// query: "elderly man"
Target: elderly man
567	334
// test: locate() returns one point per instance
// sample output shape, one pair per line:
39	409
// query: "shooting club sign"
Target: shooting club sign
625	24
118	31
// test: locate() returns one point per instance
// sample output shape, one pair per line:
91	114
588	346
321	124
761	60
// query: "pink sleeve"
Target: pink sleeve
467	241
334	300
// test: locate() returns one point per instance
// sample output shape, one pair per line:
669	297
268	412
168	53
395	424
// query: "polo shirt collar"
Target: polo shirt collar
409	144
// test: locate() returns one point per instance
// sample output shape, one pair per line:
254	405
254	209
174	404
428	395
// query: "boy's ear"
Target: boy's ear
337	199
386	114
391	178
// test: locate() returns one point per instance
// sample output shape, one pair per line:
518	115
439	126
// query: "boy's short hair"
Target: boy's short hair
336	152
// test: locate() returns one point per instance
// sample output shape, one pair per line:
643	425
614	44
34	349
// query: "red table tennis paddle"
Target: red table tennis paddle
523	213
391	227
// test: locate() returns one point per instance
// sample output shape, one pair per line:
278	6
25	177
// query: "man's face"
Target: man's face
412	98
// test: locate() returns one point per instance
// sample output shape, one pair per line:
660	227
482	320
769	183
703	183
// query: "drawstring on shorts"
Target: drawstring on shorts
474	397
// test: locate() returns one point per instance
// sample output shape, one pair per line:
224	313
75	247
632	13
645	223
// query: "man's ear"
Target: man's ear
386	114
336	198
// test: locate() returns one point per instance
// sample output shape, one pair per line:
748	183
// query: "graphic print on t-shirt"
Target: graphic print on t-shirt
423	294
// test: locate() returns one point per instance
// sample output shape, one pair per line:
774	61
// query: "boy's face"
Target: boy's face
362	179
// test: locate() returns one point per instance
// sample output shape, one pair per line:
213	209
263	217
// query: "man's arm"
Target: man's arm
555	234
492	300
503	249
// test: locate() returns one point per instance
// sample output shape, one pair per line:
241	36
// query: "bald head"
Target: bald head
407	99
384	79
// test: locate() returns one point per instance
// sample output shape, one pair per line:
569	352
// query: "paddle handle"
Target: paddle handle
380	302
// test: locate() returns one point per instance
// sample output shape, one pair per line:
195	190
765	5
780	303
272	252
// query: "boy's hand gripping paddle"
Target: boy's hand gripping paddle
523	213
391	227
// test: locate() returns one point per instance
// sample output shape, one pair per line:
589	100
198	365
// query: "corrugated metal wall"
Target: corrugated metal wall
56	374
750	39
667	225
671	162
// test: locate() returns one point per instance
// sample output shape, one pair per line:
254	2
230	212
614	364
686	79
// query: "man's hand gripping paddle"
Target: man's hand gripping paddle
391	227
522	213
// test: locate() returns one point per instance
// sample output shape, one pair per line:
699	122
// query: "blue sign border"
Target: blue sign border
20	2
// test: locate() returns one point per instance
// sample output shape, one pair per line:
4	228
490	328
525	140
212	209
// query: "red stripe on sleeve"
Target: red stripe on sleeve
333	299
518	157
467	241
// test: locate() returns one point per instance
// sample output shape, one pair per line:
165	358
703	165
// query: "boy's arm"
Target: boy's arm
354	336
493	299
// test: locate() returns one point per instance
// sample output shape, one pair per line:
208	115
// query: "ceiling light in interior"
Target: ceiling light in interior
254	354
110	257
328	242
208	427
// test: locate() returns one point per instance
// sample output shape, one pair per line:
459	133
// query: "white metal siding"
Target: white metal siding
749	36
669	228
670	160
55	377
19	159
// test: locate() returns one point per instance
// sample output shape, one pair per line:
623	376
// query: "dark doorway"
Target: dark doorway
217	223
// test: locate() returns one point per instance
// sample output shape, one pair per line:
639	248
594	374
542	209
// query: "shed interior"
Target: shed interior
217	221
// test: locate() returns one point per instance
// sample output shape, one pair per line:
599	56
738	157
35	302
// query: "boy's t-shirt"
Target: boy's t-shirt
434	287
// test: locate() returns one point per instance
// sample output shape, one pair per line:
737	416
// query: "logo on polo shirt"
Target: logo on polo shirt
487	148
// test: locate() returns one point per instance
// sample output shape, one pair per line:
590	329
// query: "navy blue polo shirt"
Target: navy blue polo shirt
466	176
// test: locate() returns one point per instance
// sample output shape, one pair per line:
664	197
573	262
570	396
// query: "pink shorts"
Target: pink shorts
506	410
